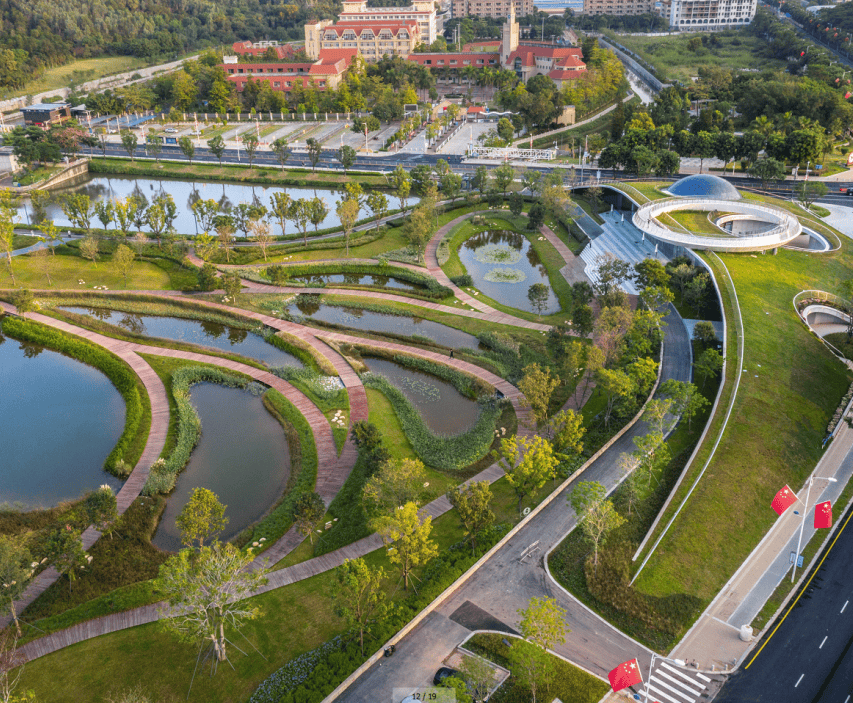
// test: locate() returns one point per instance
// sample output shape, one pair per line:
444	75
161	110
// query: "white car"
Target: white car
170	130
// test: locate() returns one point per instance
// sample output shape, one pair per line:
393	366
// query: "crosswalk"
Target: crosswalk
669	683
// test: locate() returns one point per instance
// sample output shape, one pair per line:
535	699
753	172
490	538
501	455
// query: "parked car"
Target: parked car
443	673
170	130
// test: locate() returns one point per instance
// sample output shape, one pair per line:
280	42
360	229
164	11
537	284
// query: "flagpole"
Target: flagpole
803	523
651	666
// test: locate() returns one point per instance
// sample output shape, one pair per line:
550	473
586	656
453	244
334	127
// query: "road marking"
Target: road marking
660	694
847	699
823	643
798	680
674	680
666	666
676	691
704	678
842	610
802	590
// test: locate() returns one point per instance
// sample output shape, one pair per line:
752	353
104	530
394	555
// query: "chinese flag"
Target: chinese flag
624	675
784	499
823	515
847	94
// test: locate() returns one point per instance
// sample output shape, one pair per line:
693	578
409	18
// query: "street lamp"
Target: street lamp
803	523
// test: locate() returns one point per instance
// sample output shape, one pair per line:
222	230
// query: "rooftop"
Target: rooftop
704	185
47	106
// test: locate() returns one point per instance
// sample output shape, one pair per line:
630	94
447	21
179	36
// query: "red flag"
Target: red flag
784	499
847	94
823	515
624	675
802	53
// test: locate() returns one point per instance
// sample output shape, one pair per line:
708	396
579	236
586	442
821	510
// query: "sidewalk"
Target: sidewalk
714	640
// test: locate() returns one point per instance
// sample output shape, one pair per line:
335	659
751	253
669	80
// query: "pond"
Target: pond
59	420
355	279
358	319
185	192
504	265
242	456
444	409
208	334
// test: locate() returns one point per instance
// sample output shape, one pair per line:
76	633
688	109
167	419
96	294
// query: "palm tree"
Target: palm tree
785	122
763	124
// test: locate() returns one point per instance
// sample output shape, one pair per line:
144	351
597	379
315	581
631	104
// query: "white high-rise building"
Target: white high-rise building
701	15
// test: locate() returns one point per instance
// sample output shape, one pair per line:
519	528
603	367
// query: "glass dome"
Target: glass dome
704	185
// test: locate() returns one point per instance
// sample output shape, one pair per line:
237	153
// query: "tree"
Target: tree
101	509
649	273
505	129
308	513
532	665
419	226
314	150
231	284
596	515
582	320
504	177
704	332
201	518
217	147
708	365
205	593
616	385
40	199
451	185
78	209
105	210
123	261
347	211
543	623
668	162
260	232
472	507
516	204
64	550
378	204
187	148
281	203
300	212
767	169
537	295
396	482
402	184
567	430
703	145
537	385
250	142
281	150
16	570
809	191
481	180
359	596
130	142
154	145
610	274
89	249
686	399
124	212
50	234
529	462
408	535
346	155
225	235
610	329
368	440
536	216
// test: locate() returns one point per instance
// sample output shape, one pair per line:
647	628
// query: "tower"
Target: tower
509	35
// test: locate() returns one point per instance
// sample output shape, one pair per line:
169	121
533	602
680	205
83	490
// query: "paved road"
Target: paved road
505	584
809	659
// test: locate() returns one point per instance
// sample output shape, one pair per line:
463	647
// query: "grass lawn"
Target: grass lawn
696	222
392	239
788	392
673	60
20	241
66	270
79	71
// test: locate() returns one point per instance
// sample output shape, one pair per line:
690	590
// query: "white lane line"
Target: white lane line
684	676
683	685
660	694
798	680
703	677
658	682
842	610
846	700
823	643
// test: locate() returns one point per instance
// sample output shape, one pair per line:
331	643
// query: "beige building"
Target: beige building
619	7
491	8
699	15
421	11
372	40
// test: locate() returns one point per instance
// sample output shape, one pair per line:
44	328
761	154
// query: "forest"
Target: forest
39	34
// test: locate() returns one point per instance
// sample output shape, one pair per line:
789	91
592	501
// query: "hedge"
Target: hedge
165	471
446	453
331	243
303	470
119	373
310	677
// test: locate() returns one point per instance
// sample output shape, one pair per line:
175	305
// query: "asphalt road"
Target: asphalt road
809	659
491	598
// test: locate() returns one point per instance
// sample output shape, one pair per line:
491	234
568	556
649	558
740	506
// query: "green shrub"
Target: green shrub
463	281
451	453
131	443
165	471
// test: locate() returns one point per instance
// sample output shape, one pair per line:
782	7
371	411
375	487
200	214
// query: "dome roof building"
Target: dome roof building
704	185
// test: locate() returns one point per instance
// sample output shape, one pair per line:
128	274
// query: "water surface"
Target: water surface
185	192
515	255
208	334
59	420
242	456
444	409
358	319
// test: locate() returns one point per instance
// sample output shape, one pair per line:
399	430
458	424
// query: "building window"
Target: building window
277	84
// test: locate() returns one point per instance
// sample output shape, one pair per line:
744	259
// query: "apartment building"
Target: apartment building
372	40
259	48
619	7
421	11
491	8
701	15
325	73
